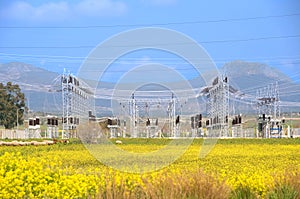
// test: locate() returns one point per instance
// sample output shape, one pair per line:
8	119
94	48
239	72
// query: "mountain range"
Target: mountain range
41	87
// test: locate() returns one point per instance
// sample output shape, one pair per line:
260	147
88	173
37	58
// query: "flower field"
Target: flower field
239	168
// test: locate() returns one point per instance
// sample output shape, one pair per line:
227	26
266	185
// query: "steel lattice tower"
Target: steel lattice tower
77	101
171	110
139	110
268	100
218	107
133	115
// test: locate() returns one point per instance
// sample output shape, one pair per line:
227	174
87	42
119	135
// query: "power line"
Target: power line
152	24
161	44
64	57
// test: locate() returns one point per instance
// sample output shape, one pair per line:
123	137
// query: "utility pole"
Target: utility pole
18	116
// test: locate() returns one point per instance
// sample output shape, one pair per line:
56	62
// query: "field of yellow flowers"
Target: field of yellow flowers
235	168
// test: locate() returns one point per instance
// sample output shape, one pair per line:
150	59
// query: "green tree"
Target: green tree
12	105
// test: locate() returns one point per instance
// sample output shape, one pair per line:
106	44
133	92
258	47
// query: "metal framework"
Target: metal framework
269	122
133	116
139	112
77	102
172	120
218	108
268	101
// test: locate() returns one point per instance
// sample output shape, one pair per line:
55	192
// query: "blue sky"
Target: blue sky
59	34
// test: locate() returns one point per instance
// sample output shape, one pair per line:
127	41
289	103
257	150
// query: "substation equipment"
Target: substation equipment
76	101
268	121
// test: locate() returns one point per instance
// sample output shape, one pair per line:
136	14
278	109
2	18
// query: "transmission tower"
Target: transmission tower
133	116
171	110
77	102
218	108
268	101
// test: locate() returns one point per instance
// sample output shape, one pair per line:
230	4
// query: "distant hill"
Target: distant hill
26	74
242	68
249	76
35	83
41	93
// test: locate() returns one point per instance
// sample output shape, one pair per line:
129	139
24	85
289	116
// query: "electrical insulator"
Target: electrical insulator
177	120
240	119
192	122
225	80
260	127
207	122
63	79
37	121
200	124
148	122
70	79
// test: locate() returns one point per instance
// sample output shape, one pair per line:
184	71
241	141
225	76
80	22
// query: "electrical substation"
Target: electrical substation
137	115
161	114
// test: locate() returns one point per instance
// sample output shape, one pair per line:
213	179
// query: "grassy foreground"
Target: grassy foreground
239	168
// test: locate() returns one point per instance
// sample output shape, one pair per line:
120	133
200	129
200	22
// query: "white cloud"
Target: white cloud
100	8
62	10
159	2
